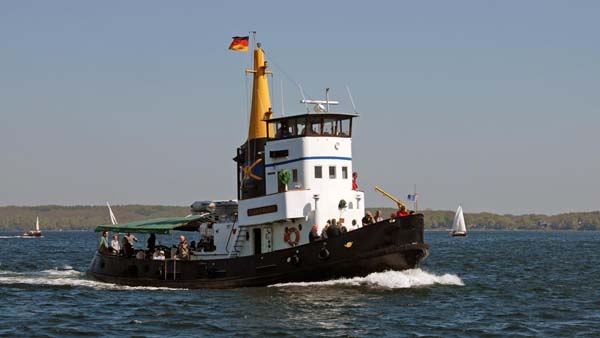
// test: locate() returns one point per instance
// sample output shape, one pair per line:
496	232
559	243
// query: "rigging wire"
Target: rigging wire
285	74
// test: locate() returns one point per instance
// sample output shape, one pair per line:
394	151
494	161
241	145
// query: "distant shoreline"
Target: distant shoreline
81	217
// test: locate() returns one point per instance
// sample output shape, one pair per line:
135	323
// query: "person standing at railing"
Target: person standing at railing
114	245
183	251
103	245
355	180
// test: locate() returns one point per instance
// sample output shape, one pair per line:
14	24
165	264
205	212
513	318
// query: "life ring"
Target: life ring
324	253
287	237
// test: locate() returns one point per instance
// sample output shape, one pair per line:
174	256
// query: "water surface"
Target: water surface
492	284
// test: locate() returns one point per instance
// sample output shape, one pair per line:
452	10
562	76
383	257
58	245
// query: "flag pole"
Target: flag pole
416	199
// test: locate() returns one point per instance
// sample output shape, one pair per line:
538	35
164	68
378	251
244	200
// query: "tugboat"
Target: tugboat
294	174
34	233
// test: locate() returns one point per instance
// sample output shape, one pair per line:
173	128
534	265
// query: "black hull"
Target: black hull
387	245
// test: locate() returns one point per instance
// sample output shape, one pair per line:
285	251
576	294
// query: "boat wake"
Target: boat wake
8	237
64	276
389	280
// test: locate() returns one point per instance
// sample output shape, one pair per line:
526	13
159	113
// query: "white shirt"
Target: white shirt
115	245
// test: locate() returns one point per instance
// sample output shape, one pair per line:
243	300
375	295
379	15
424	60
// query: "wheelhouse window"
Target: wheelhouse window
344	173
295	175
337	125
318	171
332	172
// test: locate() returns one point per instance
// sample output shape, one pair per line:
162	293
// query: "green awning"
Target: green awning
157	225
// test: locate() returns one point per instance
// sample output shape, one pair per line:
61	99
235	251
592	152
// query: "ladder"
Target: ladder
239	241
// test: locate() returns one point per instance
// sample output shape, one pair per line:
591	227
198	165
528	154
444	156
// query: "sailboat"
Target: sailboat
458	225
36	232
113	219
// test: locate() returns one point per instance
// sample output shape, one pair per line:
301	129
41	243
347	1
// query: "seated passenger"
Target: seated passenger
314	234
159	255
103	245
140	254
183	252
115	247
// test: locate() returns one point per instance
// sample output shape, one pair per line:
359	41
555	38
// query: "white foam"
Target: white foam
65	276
6	237
389	279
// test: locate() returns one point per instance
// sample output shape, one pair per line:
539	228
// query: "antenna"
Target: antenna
281	90
351	99
303	97
327	98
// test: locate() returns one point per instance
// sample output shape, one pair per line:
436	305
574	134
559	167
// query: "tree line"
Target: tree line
442	219
54	217
87	217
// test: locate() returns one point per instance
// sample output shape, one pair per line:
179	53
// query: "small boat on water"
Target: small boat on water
294	175
458	224
34	233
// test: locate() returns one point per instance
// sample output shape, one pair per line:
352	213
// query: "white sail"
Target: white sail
37	224
113	219
458	225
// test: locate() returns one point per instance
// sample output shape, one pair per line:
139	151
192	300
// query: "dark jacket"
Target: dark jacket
151	242
333	231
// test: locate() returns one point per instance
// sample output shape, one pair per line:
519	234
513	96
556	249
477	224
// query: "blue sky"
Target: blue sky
492	104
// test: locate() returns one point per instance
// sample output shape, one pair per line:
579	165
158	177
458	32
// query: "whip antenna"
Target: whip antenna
351	99
303	97
281	90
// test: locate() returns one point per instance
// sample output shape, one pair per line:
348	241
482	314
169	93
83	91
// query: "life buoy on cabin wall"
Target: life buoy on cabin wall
287	237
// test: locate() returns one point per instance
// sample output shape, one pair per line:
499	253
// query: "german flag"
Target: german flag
239	43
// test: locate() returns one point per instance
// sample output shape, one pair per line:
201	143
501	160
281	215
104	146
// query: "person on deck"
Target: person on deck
103	245
355	180
183	251
115	247
343	229
368	219
313	235
402	211
378	216
131	238
151	243
324	230
334	230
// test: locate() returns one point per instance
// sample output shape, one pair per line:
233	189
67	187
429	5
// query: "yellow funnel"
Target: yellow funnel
261	100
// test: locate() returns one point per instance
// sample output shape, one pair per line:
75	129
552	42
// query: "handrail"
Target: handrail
230	233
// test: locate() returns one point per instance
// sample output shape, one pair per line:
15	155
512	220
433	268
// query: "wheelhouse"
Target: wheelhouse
311	125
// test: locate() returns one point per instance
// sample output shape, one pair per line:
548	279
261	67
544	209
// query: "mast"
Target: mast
37	223
250	156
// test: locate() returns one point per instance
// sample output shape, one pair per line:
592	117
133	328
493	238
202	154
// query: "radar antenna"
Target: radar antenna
321	105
